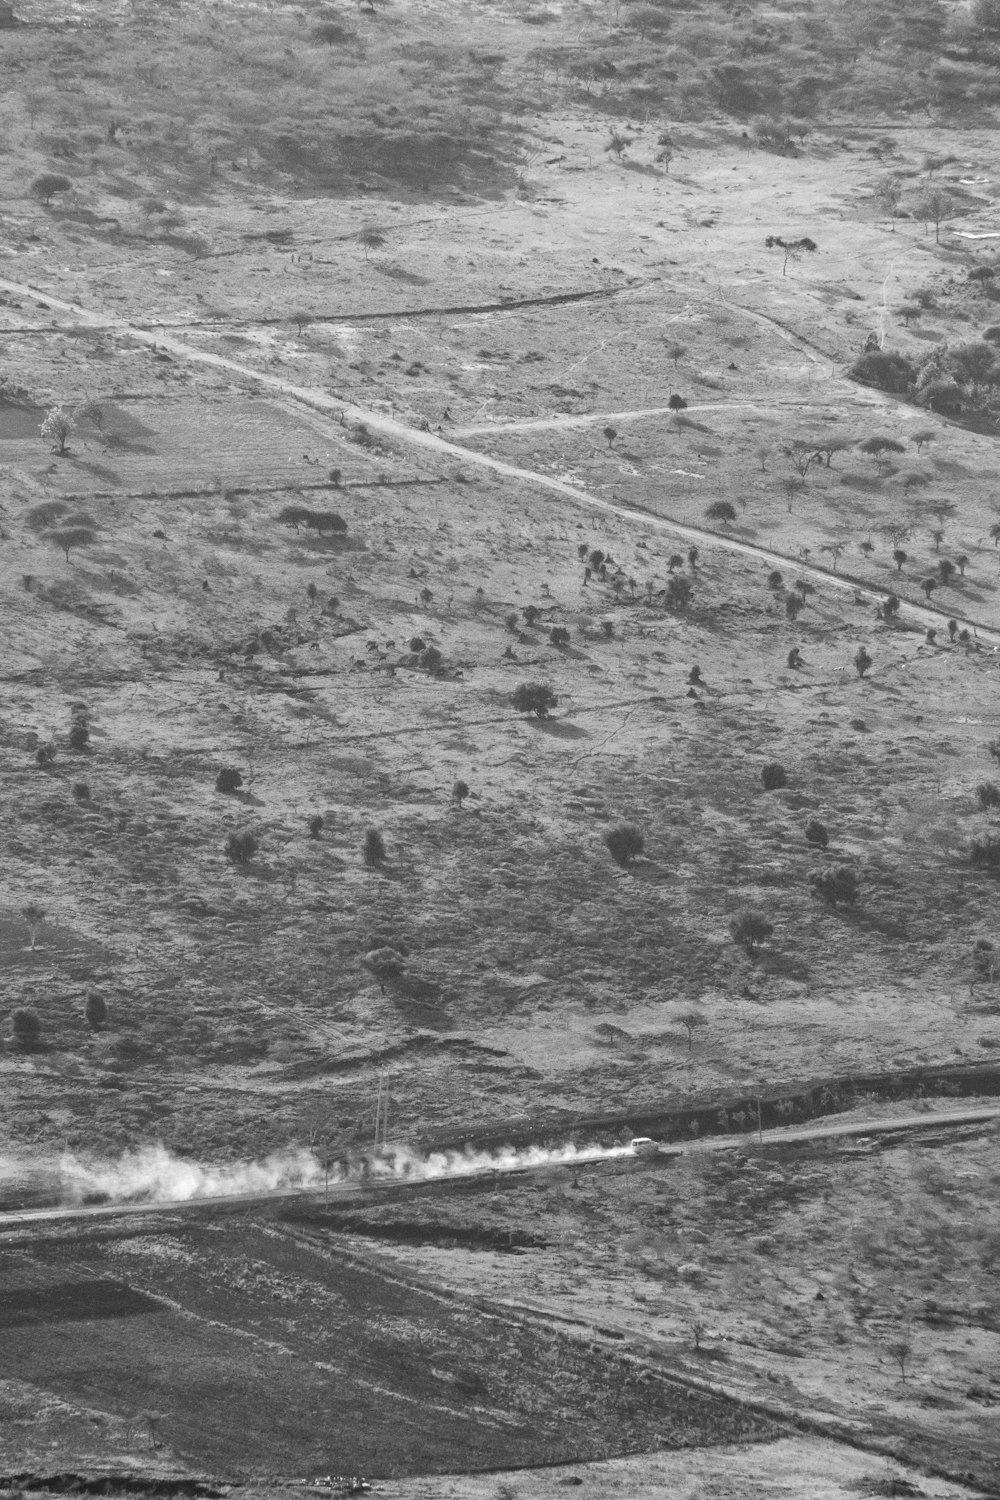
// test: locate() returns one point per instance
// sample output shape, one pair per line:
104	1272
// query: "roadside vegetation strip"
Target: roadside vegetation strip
343	409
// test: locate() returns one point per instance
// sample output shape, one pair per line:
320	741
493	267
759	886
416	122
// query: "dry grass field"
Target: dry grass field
408	358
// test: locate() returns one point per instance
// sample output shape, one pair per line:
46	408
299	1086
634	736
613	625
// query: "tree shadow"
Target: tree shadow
558	729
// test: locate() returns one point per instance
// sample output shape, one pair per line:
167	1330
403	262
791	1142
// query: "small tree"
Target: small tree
899	557
877	448
773	776
96	1011
988	795
56	427
459	792
302	320
610	433
559	635
934	206
534	698
677	403
48	185
624	843
835	886
749	930
984	854
792	249
692	1019
27	1028
79	730
676	352
371	239
386	964
316	826
241	847
862	661
374	849
946	570
692	558
794	605
68	537
928	585
721	510
678	593
34	915
816	833
900	1349
228	780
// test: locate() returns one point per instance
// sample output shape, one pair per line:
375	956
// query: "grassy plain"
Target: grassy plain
202	279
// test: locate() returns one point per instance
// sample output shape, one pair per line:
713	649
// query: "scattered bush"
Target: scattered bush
228	780
890	372
988	794
27	1028
817	834
750	929
241	847
984	854
431	660
374	848
559	635
721	510
44	756
96	1011
624	843
81	791
678	594
534	698
460	791
45	187
836	885
774	579
66	538
773	776
417	644
385	963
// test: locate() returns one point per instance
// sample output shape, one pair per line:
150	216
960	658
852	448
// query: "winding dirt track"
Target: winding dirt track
344	410
347	1192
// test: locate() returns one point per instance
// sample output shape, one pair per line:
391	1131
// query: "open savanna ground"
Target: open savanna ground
389	363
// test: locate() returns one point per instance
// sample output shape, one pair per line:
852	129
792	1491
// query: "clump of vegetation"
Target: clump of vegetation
313	520
773	776
228	780
836	886
678	593
27	1028
624	843
534	698
862	661
373	850
988	794
984	854
460	791
95	1011
45	187
559	636
386	964
750	929
79	729
241	847
816	833
316	826
721	510
34	915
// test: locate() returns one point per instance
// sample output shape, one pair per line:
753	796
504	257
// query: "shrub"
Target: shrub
984	963
817	834
431	659
993	749
794	605
899	558
79	731
81	791
417	644
988	794
773	776
679	591
531	613
316	826
510	622
34	915
721	510
534	698
862	661
385	963
241	847
677	403
774	579
44	756
984	854
96	1011
27	1028
890	372
460	791
48	184
750	929
836	885
624	843
228	780
374	848
68	537
559	635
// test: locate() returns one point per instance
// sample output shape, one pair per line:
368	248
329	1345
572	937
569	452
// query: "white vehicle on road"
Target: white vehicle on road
643	1145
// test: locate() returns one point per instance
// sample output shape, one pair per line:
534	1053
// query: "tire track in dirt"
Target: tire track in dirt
343	409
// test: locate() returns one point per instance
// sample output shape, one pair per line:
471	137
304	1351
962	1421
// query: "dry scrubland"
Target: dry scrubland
202	279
